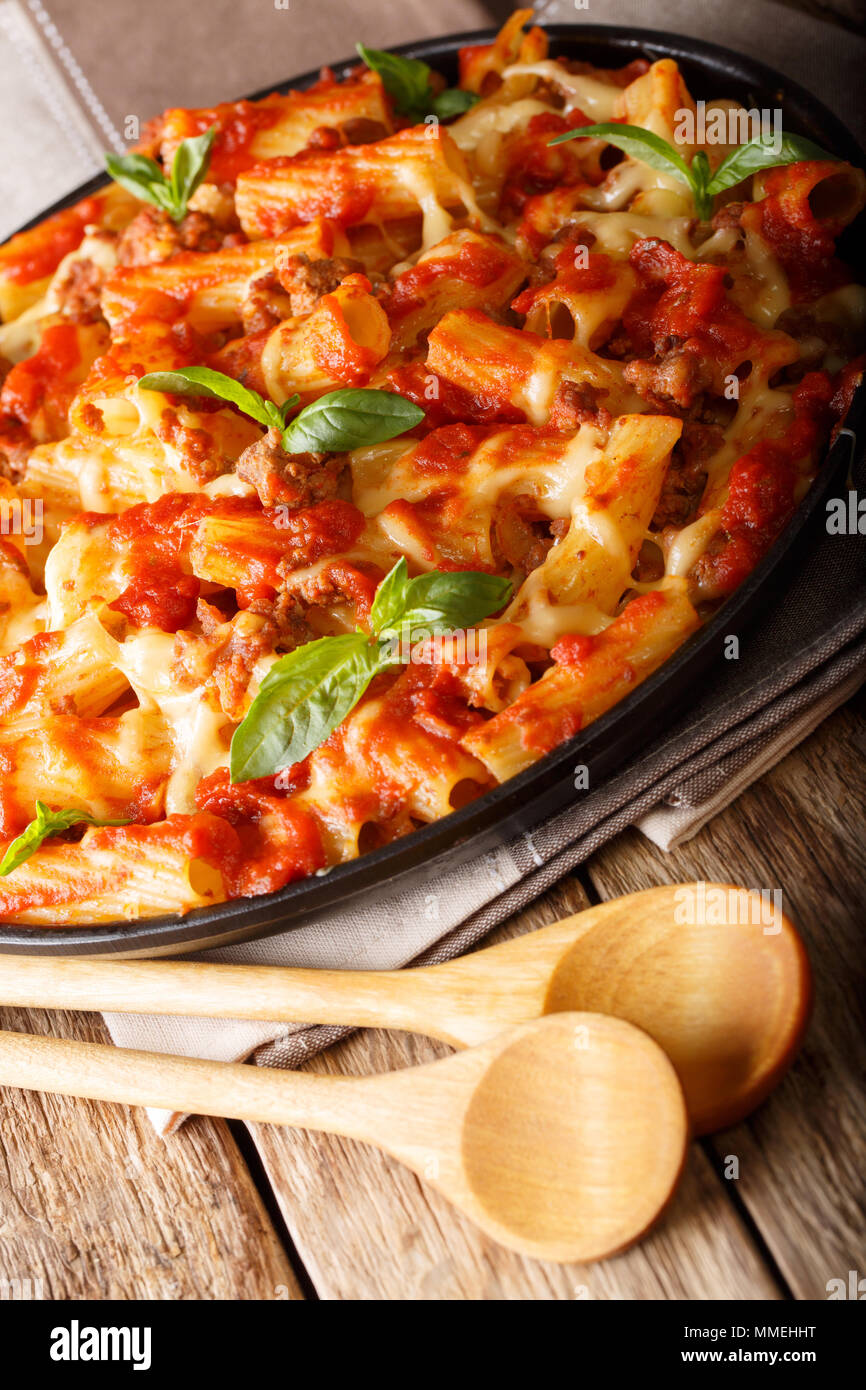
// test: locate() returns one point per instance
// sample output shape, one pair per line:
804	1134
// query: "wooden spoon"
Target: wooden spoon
563	1138
728	1001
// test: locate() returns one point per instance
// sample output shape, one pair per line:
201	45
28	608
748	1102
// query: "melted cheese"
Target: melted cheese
199	732
553	475
536	398
593	96
632	179
616	232
772	296
544	622
493	118
689	545
761	408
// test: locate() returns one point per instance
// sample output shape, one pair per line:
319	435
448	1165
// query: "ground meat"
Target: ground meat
226	651
201	455
618	347
199	232
152	236
678	378
289	480
265	304
285	616
249	639
361	130
728	216
707	581
305	280
686	477
521	535
80	290
337	582
16	446
576	403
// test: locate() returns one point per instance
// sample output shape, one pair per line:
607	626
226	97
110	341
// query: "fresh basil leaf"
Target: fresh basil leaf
45	823
143	177
390	600
701	170
758	154
203	381
288	406
453	102
191	159
302	699
701	175
633	140
308	693
136	173
406	80
348	419
442	601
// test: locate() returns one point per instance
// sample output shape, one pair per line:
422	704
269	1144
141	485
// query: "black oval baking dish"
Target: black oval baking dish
530	798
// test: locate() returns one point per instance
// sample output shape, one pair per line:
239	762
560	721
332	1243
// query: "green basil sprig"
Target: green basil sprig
407	82
171	192
348	419
746	159
308	693
336	422
45	823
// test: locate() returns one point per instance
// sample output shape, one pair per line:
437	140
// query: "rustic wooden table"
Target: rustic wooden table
94	1205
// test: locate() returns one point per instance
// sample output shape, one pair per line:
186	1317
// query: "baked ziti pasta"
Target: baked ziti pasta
361	445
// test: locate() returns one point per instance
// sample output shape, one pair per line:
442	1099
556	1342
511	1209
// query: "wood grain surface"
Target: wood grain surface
94	1205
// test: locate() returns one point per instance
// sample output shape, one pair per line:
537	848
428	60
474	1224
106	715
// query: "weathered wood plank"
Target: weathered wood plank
367	1229
94	1205
802	828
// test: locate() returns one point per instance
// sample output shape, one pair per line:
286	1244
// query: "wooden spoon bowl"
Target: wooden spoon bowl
727	1001
574	1138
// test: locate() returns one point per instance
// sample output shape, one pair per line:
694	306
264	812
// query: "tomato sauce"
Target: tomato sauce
41	382
682	303
763	482
237	122
475	264
277	841
535	166
447	450
37	253
444	402
156	538
804	245
595	277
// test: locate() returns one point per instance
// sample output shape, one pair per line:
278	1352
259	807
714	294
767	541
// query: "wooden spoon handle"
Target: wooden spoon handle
338	1105
363	998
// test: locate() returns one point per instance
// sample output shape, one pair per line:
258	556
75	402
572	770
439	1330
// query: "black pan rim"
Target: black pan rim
497	815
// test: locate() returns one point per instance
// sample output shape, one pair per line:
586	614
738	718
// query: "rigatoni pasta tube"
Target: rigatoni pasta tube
517	368
592	674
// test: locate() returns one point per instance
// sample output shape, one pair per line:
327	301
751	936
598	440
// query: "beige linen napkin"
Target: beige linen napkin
55	68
